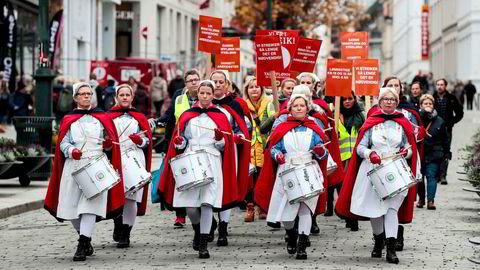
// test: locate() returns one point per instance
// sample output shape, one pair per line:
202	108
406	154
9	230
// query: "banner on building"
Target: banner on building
288	41
269	58
354	45
54	40
367	77
339	78
8	44
305	55
425	33
228	56
209	34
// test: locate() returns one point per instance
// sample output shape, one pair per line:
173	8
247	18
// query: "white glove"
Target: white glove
152	123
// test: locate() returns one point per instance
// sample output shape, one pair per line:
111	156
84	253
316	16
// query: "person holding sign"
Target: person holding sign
202	129
385	137
286	89
296	144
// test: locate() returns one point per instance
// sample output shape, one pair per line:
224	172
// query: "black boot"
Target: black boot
82	248
202	247
353	224
314	229
90	250
399	245
222	234
211	236
196	236
292	241
117	229
302	247
329	212
379	245
125	236
391	253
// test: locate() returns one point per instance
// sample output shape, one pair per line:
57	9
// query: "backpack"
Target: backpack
65	100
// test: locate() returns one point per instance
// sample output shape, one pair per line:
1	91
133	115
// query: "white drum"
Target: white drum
331	165
302	182
135	176
96	177
391	178
192	169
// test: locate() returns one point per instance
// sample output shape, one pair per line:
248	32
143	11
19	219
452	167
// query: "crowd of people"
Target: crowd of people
280	160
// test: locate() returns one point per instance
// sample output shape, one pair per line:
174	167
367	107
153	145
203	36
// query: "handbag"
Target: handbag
156	180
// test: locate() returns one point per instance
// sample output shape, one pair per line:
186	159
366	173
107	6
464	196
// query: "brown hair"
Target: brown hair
191	72
444	81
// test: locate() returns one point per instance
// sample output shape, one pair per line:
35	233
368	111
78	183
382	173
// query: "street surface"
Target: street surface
435	240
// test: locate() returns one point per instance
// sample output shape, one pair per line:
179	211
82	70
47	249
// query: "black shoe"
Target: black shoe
222	240
211	236
89	249
379	245
117	229
242	206
292	241
196	236
125	236
329	212
391	253
399	240
82	247
202	247
275	225
353	225
314	229
302	247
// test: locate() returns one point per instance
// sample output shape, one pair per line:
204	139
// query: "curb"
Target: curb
20	209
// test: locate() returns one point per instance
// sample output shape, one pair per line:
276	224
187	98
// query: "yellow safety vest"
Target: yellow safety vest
256	134
347	141
181	105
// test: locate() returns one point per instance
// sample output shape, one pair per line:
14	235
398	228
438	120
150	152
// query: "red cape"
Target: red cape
115	112
266	180
116	195
320	102
166	186
405	213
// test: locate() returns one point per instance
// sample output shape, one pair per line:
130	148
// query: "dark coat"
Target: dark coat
436	147
454	111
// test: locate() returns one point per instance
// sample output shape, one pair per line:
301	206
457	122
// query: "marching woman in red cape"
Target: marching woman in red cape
293	145
135	136
79	144
205	128
384	133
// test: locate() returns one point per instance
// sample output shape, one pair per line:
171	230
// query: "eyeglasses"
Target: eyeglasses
219	82
389	100
87	94
193	80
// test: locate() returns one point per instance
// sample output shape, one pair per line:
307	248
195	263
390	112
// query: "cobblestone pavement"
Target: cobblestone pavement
435	240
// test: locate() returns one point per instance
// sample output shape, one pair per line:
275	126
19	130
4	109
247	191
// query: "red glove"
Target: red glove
107	143
237	139
218	135
280	158
136	139
375	158
319	150
403	152
76	154
178	140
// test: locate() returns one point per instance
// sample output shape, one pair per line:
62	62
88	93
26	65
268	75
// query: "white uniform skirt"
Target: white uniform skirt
71	201
210	194
128	182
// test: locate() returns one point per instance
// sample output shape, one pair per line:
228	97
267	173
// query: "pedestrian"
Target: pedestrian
159	92
177	83
142	100
135	138
286	89
21	102
470	92
320	89
203	127
4	102
294	144
416	93
133	83
459	92
451	111
109	95
436	149
97	98
78	146
384	133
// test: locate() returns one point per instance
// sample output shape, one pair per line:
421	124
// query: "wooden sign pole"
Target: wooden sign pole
208	68
274	91
368	103
337	112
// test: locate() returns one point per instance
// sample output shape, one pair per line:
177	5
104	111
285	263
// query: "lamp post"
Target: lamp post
269	15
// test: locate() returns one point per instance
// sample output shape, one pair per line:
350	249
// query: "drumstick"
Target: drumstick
395	155
102	140
309	152
328	129
224	132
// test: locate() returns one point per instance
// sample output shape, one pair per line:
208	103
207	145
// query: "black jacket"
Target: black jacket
436	147
454	111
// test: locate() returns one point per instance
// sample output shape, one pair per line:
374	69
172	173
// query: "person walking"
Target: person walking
470	92
158	86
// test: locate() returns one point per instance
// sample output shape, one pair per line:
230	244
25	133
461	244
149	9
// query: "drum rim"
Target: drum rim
312	162
385	164
89	163
192	185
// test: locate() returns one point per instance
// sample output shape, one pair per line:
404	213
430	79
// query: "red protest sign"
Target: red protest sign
354	45
305	55
367	77
288	40
209	34
339	77
228	56
269	58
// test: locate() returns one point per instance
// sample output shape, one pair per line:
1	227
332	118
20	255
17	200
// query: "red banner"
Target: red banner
209	34
354	45
425	33
269	58
367	77
289	40
305	55
339	77
228	56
